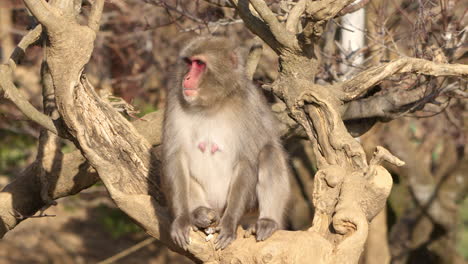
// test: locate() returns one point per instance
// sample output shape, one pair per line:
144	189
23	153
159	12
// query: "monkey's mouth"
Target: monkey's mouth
190	92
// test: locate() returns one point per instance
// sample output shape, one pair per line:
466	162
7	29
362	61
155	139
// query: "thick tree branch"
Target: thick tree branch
361	83
23	195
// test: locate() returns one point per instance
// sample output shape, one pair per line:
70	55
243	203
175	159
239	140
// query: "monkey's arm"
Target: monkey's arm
241	190
177	180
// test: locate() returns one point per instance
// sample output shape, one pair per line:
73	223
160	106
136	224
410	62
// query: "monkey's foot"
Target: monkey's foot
224	238
263	229
204	217
180	231
227	234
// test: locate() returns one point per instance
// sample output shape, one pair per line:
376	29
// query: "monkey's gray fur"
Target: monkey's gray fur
222	153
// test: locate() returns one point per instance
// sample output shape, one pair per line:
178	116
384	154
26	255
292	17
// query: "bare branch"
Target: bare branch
220	3
176	9
353	8
294	16
26	41
12	93
325	10
95	15
367	79
381	154
42	11
256	24
387	106
255	54
279	31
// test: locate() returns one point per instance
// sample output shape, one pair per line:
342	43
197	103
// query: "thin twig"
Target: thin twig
128	251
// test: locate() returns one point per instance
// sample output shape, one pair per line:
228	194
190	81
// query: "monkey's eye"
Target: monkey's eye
199	62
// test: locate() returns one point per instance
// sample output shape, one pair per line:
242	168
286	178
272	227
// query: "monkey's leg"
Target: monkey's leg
272	191
177	175
240	195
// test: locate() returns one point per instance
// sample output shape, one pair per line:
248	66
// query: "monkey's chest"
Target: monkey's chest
211	160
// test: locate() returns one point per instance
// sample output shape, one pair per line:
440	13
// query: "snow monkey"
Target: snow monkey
222	153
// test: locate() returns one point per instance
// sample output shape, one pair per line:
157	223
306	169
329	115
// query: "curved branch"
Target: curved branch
15	96
26	41
255	54
361	83
12	93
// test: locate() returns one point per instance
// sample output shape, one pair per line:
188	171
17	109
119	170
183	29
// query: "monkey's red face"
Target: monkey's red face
196	68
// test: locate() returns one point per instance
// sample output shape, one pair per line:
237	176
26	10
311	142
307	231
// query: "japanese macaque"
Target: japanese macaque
222	154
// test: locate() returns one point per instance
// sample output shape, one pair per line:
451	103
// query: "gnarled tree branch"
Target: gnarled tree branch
361	83
255	24
284	37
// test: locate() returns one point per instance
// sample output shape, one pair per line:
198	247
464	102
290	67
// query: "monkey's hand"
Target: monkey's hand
204	217
180	231
263	229
227	233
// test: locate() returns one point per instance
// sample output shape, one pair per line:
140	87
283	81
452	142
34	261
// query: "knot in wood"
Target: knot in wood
267	258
